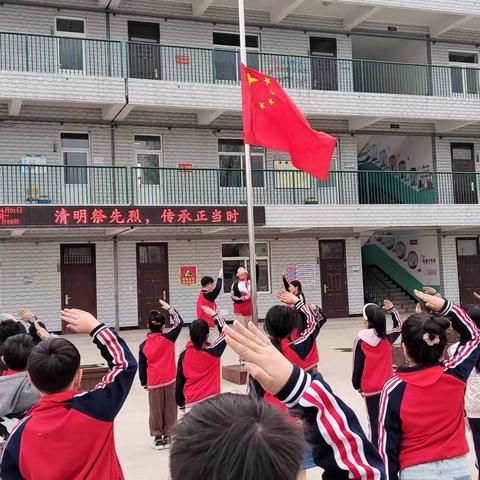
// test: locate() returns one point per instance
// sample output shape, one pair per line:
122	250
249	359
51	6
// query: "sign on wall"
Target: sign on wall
188	275
108	216
308	274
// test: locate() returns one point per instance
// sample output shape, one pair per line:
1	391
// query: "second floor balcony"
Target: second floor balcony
88	185
64	56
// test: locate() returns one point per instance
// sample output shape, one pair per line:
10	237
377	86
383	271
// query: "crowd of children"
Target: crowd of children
289	421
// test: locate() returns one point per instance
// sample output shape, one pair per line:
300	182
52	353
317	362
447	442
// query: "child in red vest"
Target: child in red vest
421	421
198	372
207	296
372	358
157	371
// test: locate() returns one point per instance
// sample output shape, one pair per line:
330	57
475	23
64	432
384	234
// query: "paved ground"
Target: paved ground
140	462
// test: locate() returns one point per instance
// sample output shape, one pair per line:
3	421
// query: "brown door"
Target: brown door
144	50
78	278
323	52
152	278
464	178
333	275
468	261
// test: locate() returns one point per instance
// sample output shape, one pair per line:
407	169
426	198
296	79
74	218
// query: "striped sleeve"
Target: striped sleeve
462	362
303	345
217	347
106	399
338	442
174	332
389	426
393	334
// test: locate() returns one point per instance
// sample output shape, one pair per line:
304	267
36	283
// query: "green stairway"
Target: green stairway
380	186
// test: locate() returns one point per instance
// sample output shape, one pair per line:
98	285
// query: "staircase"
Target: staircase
380	185
378	286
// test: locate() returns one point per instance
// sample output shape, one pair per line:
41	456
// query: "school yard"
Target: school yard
140	462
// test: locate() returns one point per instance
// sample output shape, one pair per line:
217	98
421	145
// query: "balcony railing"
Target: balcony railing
77	56
61	185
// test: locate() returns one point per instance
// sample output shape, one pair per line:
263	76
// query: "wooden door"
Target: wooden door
333	275
144	50
78	278
468	261
464	178
152	278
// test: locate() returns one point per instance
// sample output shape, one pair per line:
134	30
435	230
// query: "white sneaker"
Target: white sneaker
157	444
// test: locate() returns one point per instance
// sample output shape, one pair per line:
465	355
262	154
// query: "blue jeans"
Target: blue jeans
451	469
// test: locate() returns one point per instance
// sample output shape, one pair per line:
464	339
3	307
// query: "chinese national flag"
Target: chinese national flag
272	120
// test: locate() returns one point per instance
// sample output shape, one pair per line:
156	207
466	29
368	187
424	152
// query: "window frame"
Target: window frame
242	161
147	152
63	150
246	259
62	33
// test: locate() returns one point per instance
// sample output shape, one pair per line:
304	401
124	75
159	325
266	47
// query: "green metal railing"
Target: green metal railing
62	185
81	56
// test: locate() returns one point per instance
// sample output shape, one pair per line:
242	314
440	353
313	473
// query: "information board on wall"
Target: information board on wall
308	274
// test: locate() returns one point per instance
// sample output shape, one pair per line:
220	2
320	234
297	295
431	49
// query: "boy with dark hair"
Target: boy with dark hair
244	449
207	296
9	327
260	443
77	427
157	372
17	395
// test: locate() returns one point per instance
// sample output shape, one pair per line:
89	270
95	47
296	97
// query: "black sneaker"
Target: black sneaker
158	443
166	442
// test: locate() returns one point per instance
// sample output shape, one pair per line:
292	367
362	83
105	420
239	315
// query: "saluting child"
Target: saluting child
157	372
372	358
198	371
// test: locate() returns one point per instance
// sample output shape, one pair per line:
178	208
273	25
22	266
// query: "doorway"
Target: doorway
323	51
144	50
333	275
70	50
464	178
152	279
468	261
78	278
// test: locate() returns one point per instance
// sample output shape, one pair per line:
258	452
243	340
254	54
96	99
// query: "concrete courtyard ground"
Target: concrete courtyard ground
140	462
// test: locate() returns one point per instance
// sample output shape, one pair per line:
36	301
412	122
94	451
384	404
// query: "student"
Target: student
421	424
472	392
294	287
234	437
281	325
9	327
198	371
241	294
157	372
372	358
207	296
17	395
69	433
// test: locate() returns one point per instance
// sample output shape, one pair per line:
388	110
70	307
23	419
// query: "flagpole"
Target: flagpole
248	168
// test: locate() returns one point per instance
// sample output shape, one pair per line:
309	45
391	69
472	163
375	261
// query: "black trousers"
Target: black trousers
373	406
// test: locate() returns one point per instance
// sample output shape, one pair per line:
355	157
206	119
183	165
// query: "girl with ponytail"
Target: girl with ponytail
421	424
372	358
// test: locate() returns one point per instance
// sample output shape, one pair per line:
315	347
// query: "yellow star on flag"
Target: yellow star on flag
272	92
267	81
251	79
270	101
262	105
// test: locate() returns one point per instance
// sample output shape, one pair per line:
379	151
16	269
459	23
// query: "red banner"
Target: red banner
111	216
188	275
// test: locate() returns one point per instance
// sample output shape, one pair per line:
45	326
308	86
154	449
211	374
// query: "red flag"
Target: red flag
272	120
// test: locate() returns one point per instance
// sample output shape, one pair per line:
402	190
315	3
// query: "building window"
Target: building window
467	247
71	55
227	55
148	155
231	161
75	151
465	78
236	255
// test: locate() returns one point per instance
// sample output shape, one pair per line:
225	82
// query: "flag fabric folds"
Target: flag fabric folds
273	121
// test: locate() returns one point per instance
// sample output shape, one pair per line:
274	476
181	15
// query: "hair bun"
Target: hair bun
431	339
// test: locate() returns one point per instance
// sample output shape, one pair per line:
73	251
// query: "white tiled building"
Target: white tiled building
135	104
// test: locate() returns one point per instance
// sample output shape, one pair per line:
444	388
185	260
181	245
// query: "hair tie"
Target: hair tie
429	341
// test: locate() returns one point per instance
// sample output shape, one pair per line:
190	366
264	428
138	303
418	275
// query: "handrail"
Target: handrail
31	184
